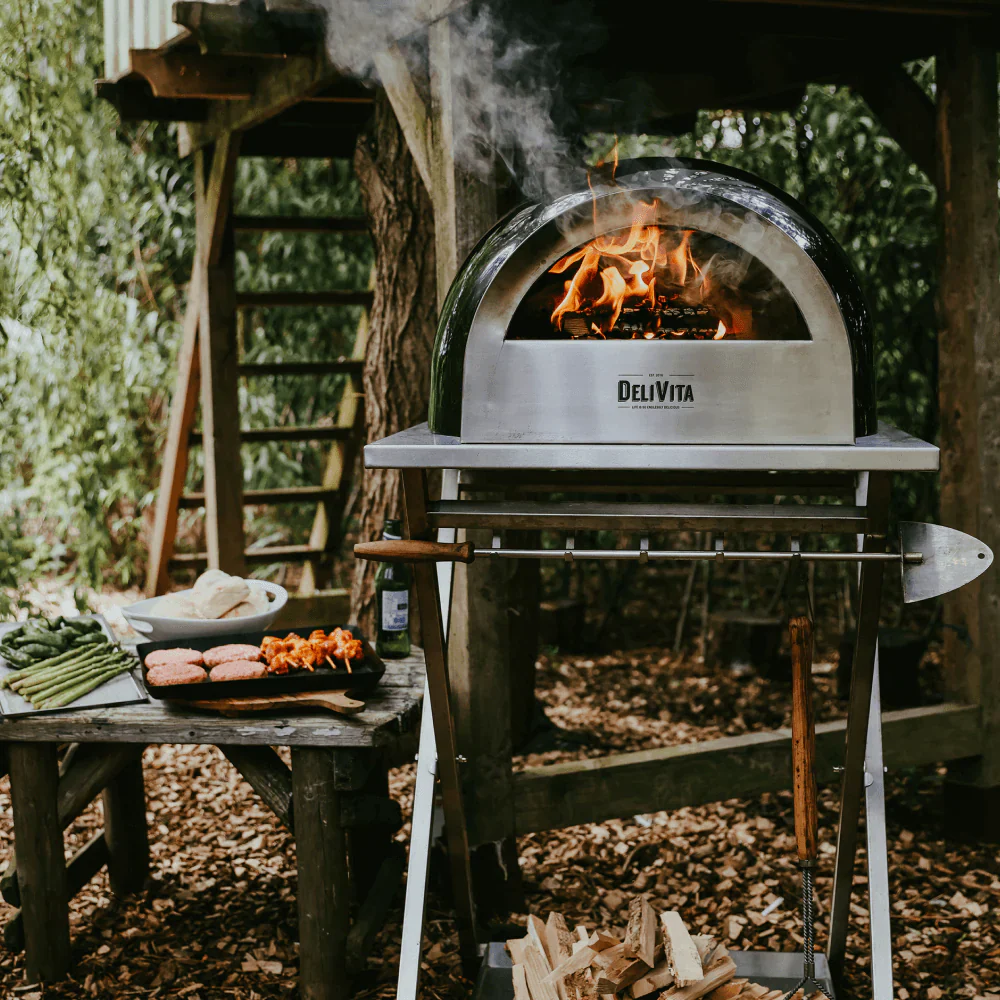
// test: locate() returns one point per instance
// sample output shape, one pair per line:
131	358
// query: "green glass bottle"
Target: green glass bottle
392	599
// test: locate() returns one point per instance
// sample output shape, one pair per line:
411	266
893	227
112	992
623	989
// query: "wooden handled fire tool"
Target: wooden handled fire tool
800	635
411	551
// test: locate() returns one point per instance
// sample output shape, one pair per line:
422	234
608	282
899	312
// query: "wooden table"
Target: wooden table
335	797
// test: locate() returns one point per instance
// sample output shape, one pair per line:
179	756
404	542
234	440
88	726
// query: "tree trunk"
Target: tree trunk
403	320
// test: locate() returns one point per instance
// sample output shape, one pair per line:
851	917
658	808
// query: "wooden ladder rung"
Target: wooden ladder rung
331	297
286	434
342	366
291	494
253	557
300	224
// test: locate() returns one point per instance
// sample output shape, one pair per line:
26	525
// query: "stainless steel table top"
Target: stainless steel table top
888	450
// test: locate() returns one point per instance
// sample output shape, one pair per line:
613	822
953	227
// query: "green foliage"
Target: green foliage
92	231
97	239
834	156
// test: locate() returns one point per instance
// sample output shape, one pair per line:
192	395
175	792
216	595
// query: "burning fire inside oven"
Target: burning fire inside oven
644	283
655	281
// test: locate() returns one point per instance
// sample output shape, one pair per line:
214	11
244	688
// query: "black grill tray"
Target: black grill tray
364	676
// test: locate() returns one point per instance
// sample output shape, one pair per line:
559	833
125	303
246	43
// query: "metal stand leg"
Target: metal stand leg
873	492
878	857
408	984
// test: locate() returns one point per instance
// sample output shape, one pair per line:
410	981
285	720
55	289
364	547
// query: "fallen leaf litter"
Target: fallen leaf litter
219	919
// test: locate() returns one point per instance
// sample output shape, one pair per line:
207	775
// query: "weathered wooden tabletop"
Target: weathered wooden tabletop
391	710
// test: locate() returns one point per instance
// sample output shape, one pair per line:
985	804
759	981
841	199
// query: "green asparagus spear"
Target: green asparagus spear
85	687
65	683
31	674
63	659
43	680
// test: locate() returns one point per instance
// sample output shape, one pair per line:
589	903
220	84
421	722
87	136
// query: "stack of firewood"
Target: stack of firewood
657	956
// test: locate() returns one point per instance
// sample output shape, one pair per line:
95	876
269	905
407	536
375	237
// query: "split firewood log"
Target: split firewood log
558	938
599	940
710	951
680	950
581	959
560	948
715	977
520	984
658	978
516	948
640	937
728	991
536	934
609	956
536	968
621	974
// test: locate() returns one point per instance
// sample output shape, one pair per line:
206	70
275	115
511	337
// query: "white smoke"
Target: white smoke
506	84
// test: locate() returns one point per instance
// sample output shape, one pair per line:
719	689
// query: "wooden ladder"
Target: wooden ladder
209	368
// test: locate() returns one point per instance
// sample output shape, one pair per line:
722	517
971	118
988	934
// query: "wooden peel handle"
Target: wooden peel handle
800	634
408	550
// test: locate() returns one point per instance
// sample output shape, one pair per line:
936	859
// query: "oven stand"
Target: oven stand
863	770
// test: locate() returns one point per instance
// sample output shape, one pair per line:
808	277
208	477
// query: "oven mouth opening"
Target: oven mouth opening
655	282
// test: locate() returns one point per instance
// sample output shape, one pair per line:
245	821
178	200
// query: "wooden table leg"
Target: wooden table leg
41	867
125	829
323	892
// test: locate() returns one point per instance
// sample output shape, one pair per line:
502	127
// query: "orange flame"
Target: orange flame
649	270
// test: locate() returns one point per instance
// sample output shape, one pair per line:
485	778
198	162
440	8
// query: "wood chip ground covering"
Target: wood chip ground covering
219	919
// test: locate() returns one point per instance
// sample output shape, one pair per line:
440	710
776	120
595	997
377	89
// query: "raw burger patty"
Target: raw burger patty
175	673
238	670
234	651
168	657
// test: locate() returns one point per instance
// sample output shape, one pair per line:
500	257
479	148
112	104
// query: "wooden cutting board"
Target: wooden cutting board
333	701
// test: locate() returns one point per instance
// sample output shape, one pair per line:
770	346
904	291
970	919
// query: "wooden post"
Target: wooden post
323	891
969	396
219	355
41	867
478	647
125	829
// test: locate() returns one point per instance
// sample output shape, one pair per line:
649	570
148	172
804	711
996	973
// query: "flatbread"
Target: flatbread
177	605
219	594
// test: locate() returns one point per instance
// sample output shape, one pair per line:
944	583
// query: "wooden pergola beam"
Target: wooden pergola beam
186	73
410	108
907	113
289	81
590	791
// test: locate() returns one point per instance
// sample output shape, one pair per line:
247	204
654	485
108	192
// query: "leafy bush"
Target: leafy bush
92	234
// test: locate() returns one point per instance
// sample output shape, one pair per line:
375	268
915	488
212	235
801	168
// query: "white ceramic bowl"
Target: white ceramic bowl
142	618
